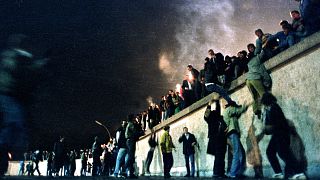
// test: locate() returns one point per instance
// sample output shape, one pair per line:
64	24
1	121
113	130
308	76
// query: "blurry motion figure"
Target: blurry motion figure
96	153
18	72
153	144
59	155
21	168
36	158
84	160
277	125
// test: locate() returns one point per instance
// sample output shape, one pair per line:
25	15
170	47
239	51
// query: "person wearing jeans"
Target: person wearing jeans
231	116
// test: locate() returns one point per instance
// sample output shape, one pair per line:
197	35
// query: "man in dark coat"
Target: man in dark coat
217	138
189	142
96	153
59	155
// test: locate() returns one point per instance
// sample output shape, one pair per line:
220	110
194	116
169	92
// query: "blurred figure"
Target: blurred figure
96	153
152	144
84	160
59	154
132	134
297	25
36	158
310	12
18	75
50	164
72	163
21	168
123	150
277	125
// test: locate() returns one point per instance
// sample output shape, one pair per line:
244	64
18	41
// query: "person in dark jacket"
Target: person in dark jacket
217	138
59	155
19	73
277	125
189	143
153	144
96	153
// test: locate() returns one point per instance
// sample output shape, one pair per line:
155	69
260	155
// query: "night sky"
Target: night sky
108	57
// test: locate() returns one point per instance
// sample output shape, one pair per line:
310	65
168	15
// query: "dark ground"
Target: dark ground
102	178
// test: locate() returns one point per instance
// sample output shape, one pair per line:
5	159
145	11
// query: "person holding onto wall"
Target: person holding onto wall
231	116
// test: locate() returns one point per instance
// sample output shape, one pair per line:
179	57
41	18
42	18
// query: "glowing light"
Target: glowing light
10	155
150	101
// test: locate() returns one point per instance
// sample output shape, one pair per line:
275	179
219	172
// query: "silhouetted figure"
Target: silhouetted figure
36	158
122	155
59	155
84	160
217	139
19	73
96	153
152	144
277	125
50	164
72	161
132	134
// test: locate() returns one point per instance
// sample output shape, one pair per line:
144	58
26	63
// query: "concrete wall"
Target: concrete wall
296	77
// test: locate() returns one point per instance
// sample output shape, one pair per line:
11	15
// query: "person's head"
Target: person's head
283	22
171	92
166	128
268	99
286	29
185	130
130	118
124	123
251	48
189	67
258	33
242	54
210	53
295	14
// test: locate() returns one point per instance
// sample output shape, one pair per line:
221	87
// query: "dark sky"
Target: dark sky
109	56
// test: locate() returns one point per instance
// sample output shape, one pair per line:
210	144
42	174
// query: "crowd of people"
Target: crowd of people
117	158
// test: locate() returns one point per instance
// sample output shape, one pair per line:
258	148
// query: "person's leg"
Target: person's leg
272	156
219	157
235	166
193	167
186	157
222	92
257	90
